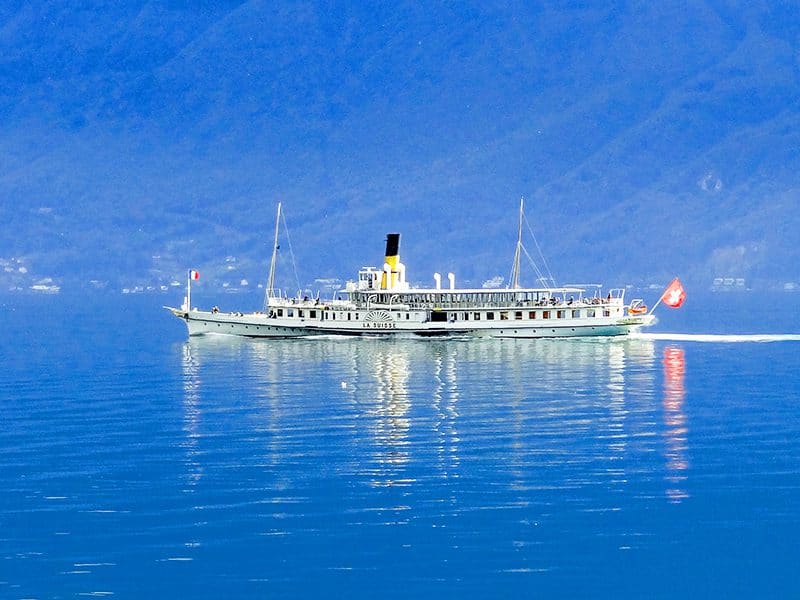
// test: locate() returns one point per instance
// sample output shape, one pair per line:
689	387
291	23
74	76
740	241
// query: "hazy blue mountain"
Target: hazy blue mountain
649	139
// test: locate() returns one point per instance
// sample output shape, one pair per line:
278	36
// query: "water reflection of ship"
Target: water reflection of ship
384	400
676	429
191	414
394	387
445	406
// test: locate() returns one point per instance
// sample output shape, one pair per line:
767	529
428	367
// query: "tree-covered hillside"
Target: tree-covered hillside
141	138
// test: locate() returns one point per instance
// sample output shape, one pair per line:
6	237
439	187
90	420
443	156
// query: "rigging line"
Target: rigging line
539	275
539	249
291	252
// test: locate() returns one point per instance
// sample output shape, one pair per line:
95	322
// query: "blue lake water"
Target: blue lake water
137	463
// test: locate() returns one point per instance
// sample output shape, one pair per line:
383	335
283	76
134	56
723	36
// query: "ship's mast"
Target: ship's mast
271	279
515	267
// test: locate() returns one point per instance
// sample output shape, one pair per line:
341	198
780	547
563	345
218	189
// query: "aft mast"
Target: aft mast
515	267
271	278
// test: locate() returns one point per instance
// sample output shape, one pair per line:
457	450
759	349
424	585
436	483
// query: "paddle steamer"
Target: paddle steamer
381	302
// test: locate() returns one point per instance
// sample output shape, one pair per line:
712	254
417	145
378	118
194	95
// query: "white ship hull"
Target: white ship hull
260	325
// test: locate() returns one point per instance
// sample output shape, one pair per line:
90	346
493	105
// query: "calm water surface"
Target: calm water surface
135	463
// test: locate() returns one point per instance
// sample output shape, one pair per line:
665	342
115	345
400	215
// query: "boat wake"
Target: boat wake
720	338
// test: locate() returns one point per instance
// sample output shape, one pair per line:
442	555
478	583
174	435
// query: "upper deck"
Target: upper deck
468	298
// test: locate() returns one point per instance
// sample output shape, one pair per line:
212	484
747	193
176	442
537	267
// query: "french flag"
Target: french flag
194	275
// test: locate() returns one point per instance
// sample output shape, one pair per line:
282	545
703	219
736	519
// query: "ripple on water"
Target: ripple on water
237	467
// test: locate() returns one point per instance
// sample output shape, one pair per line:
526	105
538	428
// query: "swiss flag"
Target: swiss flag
194	275
674	295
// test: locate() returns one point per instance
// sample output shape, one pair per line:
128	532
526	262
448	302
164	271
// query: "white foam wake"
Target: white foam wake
721	337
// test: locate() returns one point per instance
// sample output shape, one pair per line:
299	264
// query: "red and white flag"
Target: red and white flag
674	295
194	275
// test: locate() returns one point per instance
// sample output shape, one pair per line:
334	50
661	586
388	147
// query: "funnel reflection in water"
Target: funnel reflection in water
387	404
675	422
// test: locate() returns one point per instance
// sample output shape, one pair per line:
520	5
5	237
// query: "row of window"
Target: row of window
503	315
312	314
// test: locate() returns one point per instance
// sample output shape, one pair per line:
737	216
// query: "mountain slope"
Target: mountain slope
138	140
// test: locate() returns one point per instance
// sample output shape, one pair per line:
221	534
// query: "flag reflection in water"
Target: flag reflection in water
191	415
675	427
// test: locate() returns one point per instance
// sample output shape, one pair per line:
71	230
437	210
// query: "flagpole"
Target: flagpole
188	291
661	297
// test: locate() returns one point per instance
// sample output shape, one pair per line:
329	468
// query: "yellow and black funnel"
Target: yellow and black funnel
392	259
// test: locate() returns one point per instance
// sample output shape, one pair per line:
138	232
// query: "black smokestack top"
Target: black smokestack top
392	244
